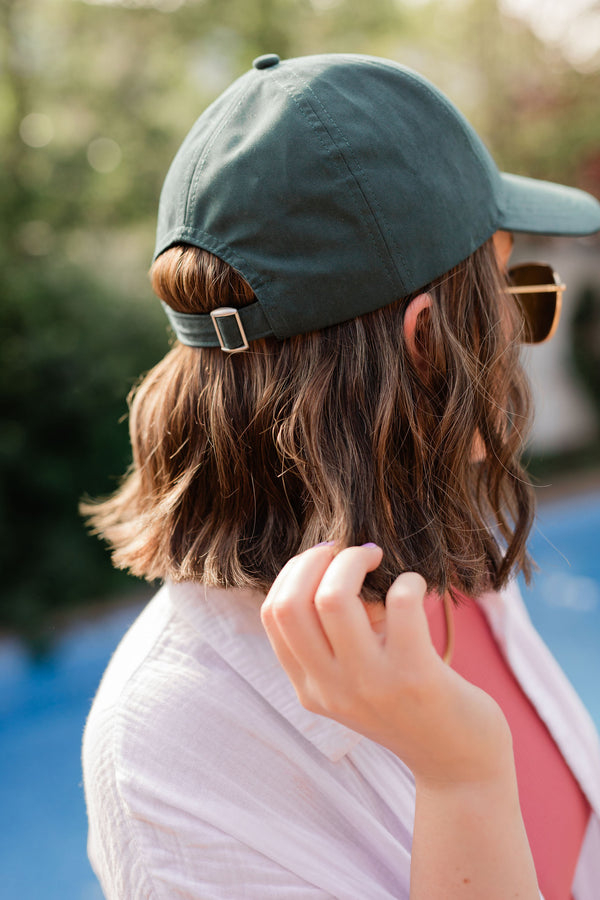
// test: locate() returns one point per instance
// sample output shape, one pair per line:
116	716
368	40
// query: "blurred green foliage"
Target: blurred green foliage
95	97
68	351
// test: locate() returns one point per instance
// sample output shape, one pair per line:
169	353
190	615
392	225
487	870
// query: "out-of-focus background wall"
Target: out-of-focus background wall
95	98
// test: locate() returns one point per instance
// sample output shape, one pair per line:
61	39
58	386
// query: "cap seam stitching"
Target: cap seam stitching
227	115
372	201
450	112
388	265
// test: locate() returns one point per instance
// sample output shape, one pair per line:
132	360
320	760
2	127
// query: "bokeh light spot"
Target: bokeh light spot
36	129
104	154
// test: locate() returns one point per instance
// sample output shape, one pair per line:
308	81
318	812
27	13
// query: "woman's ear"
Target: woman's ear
415	308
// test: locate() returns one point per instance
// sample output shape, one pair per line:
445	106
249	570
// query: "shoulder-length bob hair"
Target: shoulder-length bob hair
242	460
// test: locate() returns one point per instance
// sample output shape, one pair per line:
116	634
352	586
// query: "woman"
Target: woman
332	254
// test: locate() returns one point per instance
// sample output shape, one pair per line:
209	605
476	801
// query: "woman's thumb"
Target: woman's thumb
407	631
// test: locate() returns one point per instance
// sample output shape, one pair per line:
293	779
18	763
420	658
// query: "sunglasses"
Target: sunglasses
538	290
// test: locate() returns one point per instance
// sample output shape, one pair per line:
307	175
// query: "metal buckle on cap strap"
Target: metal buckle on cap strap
226	312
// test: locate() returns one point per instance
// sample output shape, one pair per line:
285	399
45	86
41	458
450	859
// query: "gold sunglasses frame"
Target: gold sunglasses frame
557	288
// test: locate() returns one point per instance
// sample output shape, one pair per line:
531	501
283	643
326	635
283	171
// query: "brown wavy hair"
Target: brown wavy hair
241	461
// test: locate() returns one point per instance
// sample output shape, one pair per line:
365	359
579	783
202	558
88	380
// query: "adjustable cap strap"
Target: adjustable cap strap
228	328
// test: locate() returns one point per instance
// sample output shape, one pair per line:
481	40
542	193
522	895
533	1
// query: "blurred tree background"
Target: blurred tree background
95	98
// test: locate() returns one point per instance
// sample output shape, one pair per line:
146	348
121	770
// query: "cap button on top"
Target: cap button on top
266	61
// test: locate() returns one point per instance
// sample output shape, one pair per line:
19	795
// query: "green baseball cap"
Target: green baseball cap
336	184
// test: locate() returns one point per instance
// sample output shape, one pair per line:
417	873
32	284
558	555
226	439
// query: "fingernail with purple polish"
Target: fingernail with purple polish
370	544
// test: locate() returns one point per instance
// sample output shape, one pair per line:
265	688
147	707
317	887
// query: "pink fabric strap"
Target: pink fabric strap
555	810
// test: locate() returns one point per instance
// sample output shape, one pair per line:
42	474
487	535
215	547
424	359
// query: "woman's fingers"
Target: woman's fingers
389	684
407	632
314	611
289	615
340	608
295	671
322	633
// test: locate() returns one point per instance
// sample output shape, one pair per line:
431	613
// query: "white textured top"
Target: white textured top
205	778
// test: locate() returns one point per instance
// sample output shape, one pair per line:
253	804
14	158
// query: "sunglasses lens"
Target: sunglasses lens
539	308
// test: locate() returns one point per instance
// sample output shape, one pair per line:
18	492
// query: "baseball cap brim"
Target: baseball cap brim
541	207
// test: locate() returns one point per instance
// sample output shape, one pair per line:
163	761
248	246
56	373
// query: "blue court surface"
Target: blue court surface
43	706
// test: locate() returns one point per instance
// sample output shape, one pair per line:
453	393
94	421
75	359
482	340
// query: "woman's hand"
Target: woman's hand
375	669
